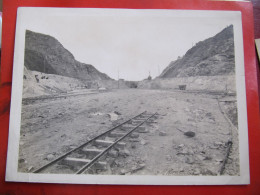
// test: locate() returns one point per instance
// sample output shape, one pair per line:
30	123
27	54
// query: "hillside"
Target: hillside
211	57
46	54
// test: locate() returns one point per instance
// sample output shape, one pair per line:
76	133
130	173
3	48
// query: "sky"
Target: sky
123	43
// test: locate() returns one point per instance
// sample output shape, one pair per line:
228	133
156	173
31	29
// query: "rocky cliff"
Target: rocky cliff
211	57
46	54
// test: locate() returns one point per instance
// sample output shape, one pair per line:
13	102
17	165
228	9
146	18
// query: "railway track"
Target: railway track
32	100
96	153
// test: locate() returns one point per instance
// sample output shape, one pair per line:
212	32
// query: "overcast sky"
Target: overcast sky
131	42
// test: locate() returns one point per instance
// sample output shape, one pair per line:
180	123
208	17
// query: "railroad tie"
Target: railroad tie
151	121
142	129
120	145
146	116
127	127
79	162
103	143
91	151
116	134
134	135
138	120
136	123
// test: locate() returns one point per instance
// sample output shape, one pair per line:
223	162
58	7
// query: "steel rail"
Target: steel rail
222	168
230	141
82	145
108	148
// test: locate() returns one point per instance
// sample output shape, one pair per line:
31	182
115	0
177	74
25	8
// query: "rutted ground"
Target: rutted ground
53	127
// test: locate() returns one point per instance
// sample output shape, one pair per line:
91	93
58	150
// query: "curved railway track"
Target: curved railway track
93	153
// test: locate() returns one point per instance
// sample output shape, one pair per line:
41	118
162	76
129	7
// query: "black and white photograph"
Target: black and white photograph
124	96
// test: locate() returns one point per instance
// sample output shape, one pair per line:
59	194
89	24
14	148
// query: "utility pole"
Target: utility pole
118	78
43	64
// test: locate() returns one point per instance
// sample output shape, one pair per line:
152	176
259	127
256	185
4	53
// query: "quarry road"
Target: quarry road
52	128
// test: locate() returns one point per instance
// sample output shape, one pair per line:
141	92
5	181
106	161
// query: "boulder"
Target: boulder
162	133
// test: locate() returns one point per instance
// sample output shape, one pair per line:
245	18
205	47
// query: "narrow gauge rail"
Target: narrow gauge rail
88	154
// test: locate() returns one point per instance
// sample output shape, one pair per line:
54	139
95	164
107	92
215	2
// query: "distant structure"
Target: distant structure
182	87
149	77
120	82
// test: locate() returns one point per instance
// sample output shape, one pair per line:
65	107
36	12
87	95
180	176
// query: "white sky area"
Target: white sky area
131	42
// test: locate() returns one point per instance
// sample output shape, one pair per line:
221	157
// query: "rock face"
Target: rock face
211	57
46	54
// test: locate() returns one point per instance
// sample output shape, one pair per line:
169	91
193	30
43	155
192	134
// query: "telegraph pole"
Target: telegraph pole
43	64
118	78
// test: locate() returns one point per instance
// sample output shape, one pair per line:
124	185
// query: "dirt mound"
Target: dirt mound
36	84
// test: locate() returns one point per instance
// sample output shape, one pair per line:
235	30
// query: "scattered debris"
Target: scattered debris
113	116
181	145
97	114
133	145
219	144
102	89
124	153
182	151
143	142
134	135
200	157
189	160
142	129
177	122
134	140
219	160
50	157
168	157
29	169
162	133
214	147
187	110
133	169
21	160
196	172
208	158
63	136
188	133
118	113
113	153
208	171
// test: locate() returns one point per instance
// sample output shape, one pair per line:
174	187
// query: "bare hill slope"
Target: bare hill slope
46	54
211	57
